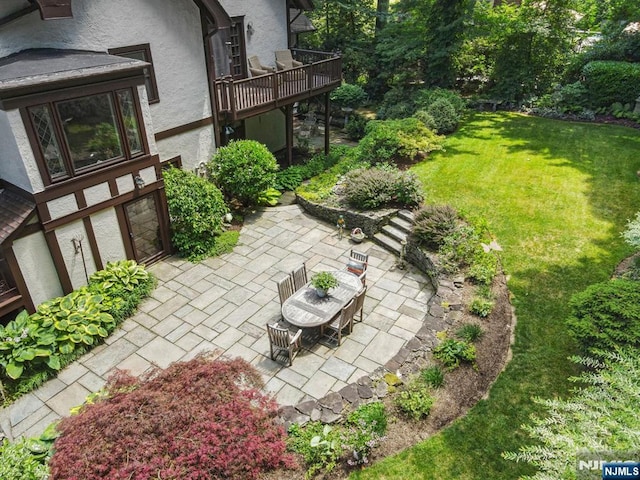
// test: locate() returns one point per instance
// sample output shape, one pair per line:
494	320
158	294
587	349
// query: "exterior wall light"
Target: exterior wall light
139	182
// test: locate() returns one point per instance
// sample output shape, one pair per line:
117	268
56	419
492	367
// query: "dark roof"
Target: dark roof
46	68
300	22
14	210
302	4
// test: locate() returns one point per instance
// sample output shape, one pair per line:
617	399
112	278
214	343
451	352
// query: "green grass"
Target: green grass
556	196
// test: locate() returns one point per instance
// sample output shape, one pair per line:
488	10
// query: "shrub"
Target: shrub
571	98
356	127
426	118
348	96
18	461
196	419
370	188
433	376
397	140
631	234
372	414
196	209
434	223
606	315
243	170
444	115
425	98
451	352
415	401
289	178
470	332
608	82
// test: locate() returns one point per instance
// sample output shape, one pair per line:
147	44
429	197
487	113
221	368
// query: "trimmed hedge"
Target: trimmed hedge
608	82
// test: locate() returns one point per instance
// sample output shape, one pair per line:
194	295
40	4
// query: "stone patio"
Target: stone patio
223	304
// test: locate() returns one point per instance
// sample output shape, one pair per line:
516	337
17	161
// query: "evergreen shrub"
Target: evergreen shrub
606	315
243	170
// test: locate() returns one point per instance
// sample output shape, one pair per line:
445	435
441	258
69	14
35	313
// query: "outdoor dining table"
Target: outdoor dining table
305	309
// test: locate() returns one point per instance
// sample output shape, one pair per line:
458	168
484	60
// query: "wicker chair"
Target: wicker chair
256	68
285	288
285	61
343	321
357	264
280	339
299	276
359	301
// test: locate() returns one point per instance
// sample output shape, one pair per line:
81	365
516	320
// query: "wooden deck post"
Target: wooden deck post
288	109
327	117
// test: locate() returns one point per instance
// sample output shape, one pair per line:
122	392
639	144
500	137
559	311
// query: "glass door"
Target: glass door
144	228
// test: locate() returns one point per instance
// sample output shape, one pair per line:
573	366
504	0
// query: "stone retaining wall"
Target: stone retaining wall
369	222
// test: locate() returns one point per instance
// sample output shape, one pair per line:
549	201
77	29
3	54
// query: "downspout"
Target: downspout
211	79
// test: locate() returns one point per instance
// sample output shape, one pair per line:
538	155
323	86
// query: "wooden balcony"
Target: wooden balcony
247	97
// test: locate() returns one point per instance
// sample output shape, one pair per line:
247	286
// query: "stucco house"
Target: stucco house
97	96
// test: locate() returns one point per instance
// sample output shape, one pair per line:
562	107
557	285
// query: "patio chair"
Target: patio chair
280	339
359	301
343	321
299	276
357	265
285	61
256	68
285	288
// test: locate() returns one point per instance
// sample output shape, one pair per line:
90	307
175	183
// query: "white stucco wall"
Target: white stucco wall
74	261
17	163
107	230
195	146
37	267
171	27
268	129
269	20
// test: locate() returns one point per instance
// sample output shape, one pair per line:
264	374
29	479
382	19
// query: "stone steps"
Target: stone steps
391	235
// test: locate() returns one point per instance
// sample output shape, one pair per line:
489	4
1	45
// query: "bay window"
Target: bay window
80	134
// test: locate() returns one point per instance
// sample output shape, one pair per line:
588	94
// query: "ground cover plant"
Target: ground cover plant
557	195
34	347
324	447
197	419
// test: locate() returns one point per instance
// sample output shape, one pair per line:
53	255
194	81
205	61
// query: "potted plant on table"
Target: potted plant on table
323	281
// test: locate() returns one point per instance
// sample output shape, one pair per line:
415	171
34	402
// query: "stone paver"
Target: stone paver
223	304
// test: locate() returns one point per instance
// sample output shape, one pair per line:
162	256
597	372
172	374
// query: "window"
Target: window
76	135
141	52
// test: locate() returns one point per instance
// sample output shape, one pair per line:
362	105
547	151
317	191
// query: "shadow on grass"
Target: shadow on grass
557	195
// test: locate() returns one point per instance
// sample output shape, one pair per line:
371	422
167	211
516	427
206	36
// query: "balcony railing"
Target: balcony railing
247	97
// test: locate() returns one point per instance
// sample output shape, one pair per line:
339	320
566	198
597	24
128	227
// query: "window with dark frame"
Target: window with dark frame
84	133
142	52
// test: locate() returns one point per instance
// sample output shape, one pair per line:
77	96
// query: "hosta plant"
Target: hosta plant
451	352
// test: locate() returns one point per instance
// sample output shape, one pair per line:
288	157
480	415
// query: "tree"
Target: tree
599	417
444	35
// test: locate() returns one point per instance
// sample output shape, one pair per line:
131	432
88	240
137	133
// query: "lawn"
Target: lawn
556	196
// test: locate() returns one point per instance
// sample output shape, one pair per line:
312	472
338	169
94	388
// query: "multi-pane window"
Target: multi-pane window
78	134
141	52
